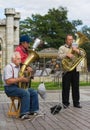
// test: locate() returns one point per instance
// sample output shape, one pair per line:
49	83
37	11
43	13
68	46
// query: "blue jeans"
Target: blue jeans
29	98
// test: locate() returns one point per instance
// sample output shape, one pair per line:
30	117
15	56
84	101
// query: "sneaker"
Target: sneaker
26	116
35	114
31	113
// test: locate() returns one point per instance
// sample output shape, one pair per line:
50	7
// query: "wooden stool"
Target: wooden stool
14	108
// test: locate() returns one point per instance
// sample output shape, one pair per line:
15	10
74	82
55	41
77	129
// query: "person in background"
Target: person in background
29	96
23	48
70	78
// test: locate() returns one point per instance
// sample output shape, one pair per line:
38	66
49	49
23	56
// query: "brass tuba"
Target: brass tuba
69	64
31	58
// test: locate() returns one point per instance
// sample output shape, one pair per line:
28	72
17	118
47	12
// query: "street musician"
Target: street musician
23	48
29	96
70	78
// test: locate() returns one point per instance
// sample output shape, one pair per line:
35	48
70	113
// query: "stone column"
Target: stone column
16	32
9	12
3	62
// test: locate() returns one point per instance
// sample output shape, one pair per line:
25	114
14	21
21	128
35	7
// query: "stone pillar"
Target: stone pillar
3	52
16	32
9	12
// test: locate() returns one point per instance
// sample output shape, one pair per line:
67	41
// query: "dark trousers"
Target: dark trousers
70	79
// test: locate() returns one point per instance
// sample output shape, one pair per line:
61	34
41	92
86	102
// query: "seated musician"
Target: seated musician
29	96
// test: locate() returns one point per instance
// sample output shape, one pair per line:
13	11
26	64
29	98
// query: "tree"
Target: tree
86	30
76	22
52	27
86	47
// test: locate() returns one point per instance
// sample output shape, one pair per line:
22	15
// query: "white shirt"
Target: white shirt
10	71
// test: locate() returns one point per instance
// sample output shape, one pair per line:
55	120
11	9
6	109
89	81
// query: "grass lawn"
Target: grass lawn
50	85
55	86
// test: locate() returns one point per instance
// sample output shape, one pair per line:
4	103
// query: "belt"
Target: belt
11	85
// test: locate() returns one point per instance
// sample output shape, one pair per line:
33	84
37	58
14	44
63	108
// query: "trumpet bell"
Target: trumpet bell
36	43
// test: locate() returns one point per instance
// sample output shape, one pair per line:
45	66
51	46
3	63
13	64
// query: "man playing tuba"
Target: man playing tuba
70	77
23	48
29	97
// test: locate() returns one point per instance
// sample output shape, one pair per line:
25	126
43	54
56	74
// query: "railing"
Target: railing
84	77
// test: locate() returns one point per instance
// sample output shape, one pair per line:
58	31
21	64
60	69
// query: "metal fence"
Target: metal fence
55	78
84	77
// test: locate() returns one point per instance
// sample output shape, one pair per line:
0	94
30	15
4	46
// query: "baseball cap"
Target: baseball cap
25	38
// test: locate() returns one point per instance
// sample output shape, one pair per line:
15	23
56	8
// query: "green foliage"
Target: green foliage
86	47
76	22
86	30
0	47
52	27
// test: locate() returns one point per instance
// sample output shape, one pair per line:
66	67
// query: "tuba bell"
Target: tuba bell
31	58
69	64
